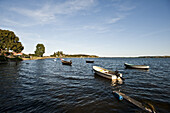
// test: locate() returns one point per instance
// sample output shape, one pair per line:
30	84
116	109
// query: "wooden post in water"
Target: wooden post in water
135	102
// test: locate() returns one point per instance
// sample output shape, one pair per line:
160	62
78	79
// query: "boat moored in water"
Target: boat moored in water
89	61
132	66
66	62
113	75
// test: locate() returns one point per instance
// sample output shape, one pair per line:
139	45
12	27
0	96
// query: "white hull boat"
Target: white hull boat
113	75
136	66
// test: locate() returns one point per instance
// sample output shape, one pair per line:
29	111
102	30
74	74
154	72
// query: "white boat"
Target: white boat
113	75
136	66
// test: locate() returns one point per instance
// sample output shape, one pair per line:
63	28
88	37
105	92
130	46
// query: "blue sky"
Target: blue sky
109	28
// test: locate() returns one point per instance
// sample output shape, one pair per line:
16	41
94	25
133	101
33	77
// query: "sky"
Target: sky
107	28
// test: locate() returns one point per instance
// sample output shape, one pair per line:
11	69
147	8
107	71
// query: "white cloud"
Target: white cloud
120	11
97	28
151	34
73	6
12	23
126	7
122	5
114	20
48	12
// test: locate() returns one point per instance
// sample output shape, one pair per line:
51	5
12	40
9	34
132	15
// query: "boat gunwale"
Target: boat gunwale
136	66
66	62
108	74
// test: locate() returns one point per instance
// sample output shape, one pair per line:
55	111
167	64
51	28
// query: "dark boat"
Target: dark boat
89	61
66	62
136	66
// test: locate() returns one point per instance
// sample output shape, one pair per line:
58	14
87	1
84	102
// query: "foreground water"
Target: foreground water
48	86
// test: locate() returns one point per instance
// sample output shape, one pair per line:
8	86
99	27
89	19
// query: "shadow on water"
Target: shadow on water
145	70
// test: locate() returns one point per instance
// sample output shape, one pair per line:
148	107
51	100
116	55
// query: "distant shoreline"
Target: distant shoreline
36	58
46	57
140	57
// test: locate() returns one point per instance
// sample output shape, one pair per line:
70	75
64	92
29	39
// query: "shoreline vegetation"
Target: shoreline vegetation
45	57
154	57
4	59
140	57
65	56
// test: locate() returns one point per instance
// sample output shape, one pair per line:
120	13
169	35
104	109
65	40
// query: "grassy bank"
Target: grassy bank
45	57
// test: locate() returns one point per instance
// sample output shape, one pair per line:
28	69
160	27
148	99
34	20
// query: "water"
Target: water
48	86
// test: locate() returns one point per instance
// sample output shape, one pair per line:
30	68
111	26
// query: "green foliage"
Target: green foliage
15	59
60	53
31	54
25	56
154	57
40	50
82	56
3	58
9	41
54	55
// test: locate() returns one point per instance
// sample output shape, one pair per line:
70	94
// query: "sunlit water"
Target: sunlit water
48	86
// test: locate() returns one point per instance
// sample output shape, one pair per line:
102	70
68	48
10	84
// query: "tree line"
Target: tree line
10	42
61	54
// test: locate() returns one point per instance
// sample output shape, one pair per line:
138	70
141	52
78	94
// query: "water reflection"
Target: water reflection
144	70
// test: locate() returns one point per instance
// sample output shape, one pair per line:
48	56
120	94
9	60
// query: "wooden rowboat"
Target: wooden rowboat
113	75
66	62
89	61
132	66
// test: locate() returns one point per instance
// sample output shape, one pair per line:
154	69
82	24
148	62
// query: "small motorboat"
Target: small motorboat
89	61
113	75
132	66
66	62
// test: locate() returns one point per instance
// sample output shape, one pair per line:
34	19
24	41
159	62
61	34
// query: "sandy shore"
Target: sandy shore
36	58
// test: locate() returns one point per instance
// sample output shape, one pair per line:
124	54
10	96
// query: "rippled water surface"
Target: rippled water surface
48	86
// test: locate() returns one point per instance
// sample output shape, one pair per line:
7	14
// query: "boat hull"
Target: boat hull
87	61
106	73
66	63
131	66
103	75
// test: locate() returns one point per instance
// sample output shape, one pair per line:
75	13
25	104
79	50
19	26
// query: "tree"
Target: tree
60	53
9	41
54	54
40	50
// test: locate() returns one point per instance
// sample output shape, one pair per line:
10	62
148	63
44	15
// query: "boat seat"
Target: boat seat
104	71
